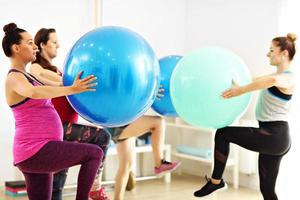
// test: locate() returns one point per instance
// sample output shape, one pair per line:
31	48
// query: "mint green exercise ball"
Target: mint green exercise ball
198	81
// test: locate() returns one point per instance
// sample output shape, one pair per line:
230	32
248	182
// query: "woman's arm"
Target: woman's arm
44	74
259	77
20	85
283	81
49	82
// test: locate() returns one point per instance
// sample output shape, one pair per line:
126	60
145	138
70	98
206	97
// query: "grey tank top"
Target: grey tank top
273	105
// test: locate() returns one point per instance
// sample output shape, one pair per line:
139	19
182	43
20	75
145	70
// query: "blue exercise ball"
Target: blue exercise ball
198	81
127	71
164	105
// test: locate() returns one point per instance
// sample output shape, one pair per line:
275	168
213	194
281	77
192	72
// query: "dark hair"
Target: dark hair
42	36
12	36
287	43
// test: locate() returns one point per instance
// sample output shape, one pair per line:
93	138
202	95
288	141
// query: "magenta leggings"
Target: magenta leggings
55	156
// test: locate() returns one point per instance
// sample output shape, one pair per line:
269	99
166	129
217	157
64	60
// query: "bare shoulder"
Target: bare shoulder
15	76
282	75
35	66
13	79
286	83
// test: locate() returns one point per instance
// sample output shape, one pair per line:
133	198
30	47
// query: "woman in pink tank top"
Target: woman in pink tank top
37	143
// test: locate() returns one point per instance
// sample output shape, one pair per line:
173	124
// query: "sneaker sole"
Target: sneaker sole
216	191
166	172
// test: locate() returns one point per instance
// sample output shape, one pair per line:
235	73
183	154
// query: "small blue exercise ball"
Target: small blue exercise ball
164	105
198	81
127	72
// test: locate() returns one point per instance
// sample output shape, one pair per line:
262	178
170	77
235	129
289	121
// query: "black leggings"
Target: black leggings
80	134
271	140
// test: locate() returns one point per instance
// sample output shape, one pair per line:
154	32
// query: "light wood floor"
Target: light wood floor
181	188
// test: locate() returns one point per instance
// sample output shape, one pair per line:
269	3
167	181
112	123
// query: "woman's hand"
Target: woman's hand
234	91
160	93
85	84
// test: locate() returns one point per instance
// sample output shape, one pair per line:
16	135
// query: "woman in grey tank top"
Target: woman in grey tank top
271	140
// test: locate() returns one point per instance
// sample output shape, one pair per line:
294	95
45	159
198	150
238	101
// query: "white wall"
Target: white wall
70	18
161	23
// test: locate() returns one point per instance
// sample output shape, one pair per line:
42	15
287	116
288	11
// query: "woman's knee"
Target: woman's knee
219	135
95	152
159	122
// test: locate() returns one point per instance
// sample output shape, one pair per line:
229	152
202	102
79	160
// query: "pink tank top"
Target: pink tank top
36	123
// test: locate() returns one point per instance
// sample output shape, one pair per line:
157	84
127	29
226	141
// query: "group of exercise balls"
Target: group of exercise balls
129	76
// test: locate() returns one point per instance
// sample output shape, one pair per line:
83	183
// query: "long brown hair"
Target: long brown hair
42	37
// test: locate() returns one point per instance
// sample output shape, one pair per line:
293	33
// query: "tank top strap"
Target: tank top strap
28	76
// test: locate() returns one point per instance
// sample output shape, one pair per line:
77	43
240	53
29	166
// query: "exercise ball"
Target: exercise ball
164	105
127	72
198	81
